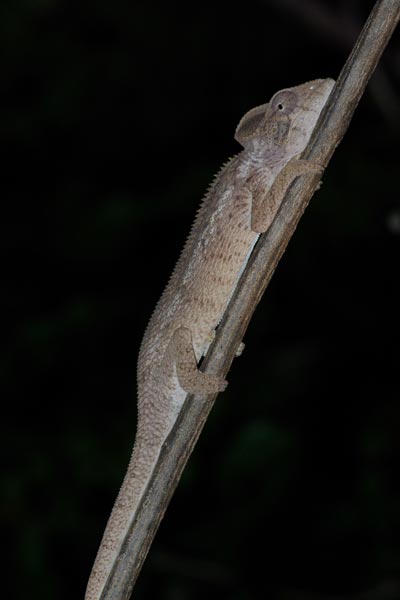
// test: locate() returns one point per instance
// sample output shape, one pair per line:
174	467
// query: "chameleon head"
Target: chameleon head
286	122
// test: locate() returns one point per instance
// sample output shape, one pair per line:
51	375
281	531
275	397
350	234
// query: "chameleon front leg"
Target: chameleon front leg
264	209
180	352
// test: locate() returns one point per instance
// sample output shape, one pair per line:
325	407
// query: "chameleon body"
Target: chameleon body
240	204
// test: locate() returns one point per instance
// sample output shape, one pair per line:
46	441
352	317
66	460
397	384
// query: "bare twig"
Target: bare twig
340	27
179	444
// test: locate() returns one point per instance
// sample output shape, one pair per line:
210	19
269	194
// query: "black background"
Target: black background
114	117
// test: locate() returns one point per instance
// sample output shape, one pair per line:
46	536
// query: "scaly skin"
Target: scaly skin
240	204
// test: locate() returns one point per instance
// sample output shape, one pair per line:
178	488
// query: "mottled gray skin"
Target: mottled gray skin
240	204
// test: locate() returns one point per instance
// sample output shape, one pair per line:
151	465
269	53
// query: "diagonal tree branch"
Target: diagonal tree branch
340	28
179	444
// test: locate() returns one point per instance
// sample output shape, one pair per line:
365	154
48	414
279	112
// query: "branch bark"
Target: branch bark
340	28
179	444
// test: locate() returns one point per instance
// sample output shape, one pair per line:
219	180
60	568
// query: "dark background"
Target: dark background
114	117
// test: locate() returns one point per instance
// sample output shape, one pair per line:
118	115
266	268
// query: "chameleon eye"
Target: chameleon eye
284	102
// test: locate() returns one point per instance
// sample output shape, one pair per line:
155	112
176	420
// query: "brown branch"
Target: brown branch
340	27
179	444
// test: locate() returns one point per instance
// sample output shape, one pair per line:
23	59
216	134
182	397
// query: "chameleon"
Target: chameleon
240	204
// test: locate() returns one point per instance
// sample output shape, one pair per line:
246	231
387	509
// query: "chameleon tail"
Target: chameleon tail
141	465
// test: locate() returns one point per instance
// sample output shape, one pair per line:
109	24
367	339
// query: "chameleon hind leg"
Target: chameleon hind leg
180	352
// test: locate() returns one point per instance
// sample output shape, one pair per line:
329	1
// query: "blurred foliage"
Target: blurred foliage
114	117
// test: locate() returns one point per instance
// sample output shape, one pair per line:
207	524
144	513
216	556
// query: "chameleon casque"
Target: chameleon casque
240	205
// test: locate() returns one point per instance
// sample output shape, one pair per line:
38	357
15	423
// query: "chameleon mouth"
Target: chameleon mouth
320	89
